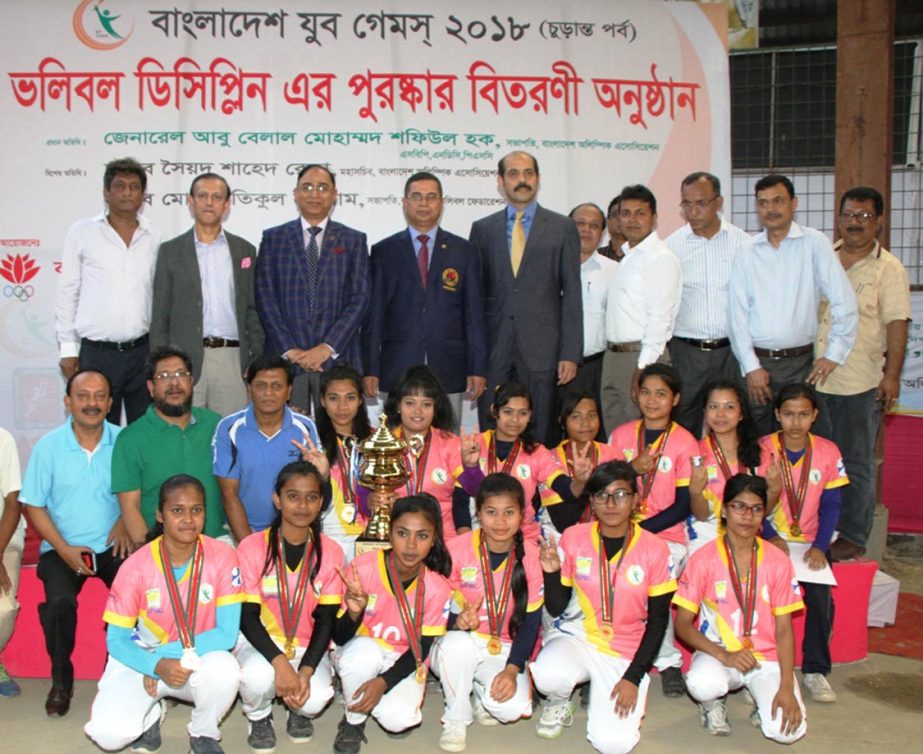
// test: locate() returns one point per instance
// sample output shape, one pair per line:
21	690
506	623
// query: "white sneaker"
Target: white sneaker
819	688
747	696
482	716
556	716
454	733
715	717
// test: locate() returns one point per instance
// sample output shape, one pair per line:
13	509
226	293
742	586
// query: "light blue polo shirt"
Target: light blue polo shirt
244	453
74	485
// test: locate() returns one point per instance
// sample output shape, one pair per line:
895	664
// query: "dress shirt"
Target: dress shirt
306	236
527	218
430	234
707	264
105	289
595	274
643	298
219	320
775	293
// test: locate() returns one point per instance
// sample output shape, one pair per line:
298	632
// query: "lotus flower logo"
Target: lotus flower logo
18	270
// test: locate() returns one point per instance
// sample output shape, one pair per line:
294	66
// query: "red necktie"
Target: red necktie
423	258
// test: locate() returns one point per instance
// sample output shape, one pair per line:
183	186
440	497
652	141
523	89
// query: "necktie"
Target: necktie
517	242
313	255
423	257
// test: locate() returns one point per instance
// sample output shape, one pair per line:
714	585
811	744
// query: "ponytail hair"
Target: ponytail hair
296	468
426	505
171	485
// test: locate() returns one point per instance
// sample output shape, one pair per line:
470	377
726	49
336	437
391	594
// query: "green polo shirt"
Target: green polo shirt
150	450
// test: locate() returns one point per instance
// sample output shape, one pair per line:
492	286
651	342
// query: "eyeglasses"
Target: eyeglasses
742	509
179	374
698	204
619	497
320	188
861	217
416	198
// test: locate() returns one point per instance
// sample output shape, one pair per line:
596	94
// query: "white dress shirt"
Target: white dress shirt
595	274
219	320
643	298
707	265
105	289
306	236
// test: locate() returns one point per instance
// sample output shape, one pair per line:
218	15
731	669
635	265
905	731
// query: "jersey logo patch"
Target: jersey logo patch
665	464
440	476
469	575
370	605
764	593
635	574
236	579
814	476
523	471
583	567
206	594
153	599
721	591
270	585
712	472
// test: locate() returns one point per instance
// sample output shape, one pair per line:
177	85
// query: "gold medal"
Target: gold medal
289	650
746	642
606	631
493	645
421	673
796	530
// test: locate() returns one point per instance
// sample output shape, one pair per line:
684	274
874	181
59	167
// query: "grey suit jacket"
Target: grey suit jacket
540	311
176	315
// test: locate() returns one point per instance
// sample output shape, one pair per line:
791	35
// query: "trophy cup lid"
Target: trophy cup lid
382	441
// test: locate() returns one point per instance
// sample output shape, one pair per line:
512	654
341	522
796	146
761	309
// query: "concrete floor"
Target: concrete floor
859	722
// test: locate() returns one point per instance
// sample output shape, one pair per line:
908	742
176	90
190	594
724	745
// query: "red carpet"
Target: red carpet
904	638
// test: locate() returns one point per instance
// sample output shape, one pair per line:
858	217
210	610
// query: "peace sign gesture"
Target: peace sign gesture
312	454
469	619
646	461
470	450
583	467
355	596
548	556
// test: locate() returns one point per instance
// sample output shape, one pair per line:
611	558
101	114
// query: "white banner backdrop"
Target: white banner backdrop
604	93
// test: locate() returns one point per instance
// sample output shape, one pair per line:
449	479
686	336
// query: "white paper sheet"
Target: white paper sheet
796	551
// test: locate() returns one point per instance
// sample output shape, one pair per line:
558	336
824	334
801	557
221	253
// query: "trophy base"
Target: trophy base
371	545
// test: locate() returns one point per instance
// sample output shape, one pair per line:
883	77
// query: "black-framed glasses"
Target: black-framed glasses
619	497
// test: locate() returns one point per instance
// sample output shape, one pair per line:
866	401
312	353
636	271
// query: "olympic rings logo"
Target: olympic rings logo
22	292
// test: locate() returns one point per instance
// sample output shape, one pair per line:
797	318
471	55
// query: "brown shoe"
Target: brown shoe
843	549
58	702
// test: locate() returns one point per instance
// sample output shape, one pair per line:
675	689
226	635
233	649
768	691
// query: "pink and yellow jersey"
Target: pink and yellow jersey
442	469
382	620
826	473
673	470
342	521
469	583
535	470
263	589
646	571
706	588
139	595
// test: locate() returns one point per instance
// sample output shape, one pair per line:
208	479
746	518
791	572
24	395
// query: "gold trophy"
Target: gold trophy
382	468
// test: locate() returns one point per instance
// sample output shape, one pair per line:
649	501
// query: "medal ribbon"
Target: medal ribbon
412	622
496	604
347	469
720	457
510	459
290	609
747	602
796	500
606	585
660	444
185	618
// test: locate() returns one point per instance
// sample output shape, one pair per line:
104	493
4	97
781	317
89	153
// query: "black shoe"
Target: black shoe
149	741
58	702
585	696
672	683
300	729
262	738
349	737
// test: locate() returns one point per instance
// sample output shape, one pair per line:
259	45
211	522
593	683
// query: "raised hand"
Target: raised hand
548	556
698	479
355	596
470	617
470	450
646	461
312	454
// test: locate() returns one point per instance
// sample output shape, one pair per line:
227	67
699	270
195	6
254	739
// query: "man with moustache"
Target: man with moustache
173	437
530	262
312	286
67	495
203	299
854	396
774	296
103	303
706	247
427	306
641	306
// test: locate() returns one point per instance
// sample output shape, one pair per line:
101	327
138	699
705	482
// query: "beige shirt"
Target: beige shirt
883	293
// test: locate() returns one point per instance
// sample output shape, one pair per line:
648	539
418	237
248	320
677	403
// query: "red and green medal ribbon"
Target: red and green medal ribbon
497	604
719	456
796	499
184	616
412	621
290	607
746	601
607	585
510	459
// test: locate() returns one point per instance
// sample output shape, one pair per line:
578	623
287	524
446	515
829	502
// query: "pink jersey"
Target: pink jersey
469	583
343	521
826	473
382	619
673	470
442	467
139	595
263	589
706	588
535	470
646	571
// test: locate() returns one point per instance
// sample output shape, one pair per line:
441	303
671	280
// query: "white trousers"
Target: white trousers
708	679
566	661
258	682
360	660
123	710
669	656
9	606
463	664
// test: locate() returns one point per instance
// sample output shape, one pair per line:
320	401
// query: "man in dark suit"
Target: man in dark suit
203	299
530	258
312	286
427	306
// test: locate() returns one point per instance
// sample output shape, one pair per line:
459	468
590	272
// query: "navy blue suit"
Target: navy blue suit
442	324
